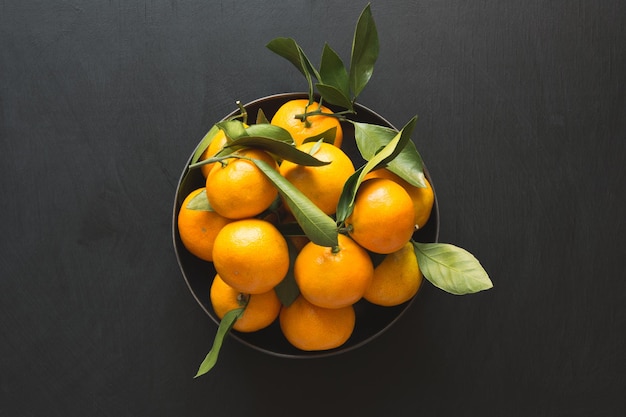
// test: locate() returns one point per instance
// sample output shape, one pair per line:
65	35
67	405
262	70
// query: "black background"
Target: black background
522	123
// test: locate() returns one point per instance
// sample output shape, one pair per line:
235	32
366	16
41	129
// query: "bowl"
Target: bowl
372	320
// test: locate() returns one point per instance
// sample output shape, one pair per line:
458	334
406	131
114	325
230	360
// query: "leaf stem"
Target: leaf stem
339	115
219	159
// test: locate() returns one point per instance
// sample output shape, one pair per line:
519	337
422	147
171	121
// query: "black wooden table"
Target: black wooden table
522	124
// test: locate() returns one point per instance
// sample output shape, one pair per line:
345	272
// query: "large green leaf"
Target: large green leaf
202	146
335	83
226	324
289	49
279	148
269	131
382	158
204	143
365	49
407	165
451	268
317	225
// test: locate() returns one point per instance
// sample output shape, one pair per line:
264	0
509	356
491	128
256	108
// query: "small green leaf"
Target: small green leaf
261	118
451	268
200	202
316	147
365	49
270	131
382	158
226	324
317	225
279	148
348	194
287	290
327	136
408	165
233	129
204	143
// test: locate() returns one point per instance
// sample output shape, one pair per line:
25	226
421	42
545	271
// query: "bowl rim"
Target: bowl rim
305	354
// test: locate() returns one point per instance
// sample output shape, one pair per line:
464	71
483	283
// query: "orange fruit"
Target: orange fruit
237	188
310	327
251	255
396	279
198	228
333	277
423	198
260	309
383	218
285	117
216	145
322	184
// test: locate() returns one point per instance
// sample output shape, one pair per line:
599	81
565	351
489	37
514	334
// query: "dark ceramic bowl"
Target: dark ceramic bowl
371	320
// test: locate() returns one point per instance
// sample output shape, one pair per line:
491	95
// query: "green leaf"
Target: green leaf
233	129
334	96
261	118
317	225
334	85
287	290
204	143
348	194
290	50
327	136
408	165
200	202
226	324
279	148
382	158
451	268
270	131
364	51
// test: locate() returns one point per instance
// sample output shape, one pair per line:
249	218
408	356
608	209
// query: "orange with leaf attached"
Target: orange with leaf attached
290	117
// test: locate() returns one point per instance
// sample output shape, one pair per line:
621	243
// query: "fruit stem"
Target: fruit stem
244	112
339	115
335	249
242	299
345	229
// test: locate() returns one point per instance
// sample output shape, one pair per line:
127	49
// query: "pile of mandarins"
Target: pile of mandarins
240	231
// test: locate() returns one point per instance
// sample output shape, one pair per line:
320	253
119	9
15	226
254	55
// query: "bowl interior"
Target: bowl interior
371	321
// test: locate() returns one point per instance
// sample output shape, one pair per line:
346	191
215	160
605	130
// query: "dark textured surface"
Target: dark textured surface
523	127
